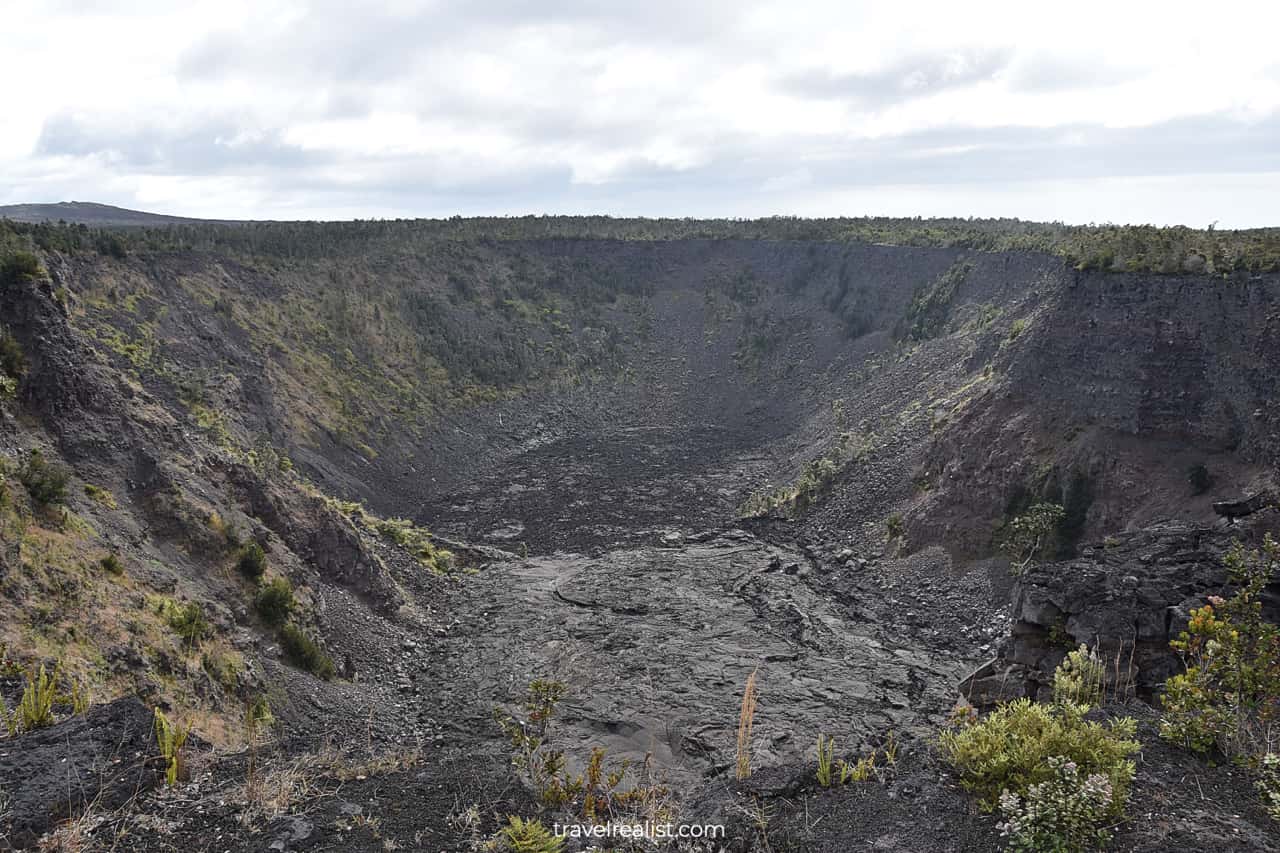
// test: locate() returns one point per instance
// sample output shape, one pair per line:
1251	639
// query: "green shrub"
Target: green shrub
253	561
895	527
1066	814
20	266
45	481
1010	748
275	602
222	668
13	361
1026	535
533	755
187	621
112	564
100	496
1229	695
1269	783
304	652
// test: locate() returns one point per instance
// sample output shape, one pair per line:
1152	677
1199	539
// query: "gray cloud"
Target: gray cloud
907	78
666	106
212	147
1046	73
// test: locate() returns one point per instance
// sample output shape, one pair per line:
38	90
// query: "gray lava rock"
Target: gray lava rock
1127	599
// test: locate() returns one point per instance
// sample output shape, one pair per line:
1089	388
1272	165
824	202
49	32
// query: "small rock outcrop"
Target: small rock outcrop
103	758
1126	598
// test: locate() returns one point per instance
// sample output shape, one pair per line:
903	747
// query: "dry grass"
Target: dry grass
746	717
280	787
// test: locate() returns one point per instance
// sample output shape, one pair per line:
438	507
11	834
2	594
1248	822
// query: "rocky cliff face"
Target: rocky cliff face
1126	598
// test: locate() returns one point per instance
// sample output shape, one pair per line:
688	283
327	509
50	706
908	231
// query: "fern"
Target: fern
528	836
170	739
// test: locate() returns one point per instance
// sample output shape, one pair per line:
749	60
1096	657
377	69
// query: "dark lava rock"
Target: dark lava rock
104	757
1126	598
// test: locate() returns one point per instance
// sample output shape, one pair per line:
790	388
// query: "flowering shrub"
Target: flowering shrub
1064	814
1229	696
1079	678
1009	750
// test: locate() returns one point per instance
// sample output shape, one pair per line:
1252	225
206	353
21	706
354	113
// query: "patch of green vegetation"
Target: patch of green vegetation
275	602
597	789
817	476
20	265
45	481
112	564
186	619
1132	248
214	423
525	836
100	496
304	652
930	307
170	739
13	360
1025	537
1009	750
1228	698
222	667
836	772
41	695
417	540
252	561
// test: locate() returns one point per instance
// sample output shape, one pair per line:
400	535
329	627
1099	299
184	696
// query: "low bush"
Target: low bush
1026	536
253	561
13	361
112	564
275	602
222	668
1009	750
1229	696
45	481
20	266
100	495
304	652
186	619
1068	813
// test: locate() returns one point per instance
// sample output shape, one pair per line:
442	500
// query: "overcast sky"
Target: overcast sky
1119	111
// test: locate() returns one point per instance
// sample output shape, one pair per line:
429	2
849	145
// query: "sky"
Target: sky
1118	111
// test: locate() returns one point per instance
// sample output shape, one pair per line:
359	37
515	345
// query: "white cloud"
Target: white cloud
307	108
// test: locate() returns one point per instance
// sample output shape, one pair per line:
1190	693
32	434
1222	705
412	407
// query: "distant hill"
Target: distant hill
89	213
